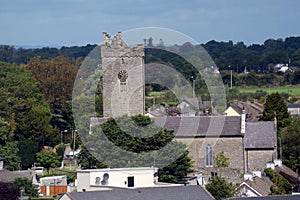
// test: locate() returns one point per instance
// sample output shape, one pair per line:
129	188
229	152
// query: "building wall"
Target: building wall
257	159
117	178
232	147
118	99
231	112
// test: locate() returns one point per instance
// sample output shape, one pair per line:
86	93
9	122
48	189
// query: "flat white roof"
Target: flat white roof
118	169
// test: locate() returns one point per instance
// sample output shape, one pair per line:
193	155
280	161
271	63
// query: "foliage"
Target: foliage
87	161
283	185
60	150
27	152
117	139
9	191
276	107
221	160
290	137
47	159
30	189
219	188
10	152
23	106
56	76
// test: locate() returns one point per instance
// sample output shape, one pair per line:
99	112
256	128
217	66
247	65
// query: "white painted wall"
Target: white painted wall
118	177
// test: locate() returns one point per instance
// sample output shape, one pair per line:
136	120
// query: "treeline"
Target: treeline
22	56
226	55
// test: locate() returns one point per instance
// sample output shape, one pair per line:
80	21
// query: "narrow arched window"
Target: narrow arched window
208	155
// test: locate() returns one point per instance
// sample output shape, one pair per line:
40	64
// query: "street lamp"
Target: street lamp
193	86
61	135
74	134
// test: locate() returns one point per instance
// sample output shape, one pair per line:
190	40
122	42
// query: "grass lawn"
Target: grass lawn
291	90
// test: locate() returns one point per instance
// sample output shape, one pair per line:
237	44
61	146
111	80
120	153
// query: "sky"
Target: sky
81	22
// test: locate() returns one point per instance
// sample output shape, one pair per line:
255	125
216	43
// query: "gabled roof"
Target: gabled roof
289	105
260	135
153	193
202	126
196	126
10	176
261	185
288	173
290	197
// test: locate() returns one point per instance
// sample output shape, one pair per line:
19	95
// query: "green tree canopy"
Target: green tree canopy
30	189
219	188
47	159
276	107
137	142
290	137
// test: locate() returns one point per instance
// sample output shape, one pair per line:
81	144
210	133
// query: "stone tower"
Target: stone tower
123	77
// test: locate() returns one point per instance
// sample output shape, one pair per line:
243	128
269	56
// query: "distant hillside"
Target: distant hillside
257	57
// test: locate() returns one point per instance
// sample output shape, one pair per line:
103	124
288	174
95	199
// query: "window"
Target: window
123	87
130	181
208	156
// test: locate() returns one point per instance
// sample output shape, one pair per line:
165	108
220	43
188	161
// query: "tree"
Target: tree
219	188
87	161
9	191
276	107
283	186
290	137
141	142
47	159
27	152
10	152
56	76
221	160
30	189
23	106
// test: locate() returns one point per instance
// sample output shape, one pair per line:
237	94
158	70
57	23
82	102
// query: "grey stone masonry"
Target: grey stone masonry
123	77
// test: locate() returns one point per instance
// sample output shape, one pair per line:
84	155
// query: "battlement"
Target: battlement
116	47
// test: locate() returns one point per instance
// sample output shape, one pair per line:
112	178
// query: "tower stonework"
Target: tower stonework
123	77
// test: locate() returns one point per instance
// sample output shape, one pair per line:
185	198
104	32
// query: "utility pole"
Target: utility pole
230	79
193	86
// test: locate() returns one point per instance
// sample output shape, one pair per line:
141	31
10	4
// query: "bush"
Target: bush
283	185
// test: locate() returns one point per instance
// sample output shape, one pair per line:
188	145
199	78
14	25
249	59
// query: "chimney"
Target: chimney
243	122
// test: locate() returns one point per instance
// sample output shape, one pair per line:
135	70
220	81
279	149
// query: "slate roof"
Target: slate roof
10	176
1	158
289	105
288	173
260	135
196	126
290	197
154	193
202	126
261	185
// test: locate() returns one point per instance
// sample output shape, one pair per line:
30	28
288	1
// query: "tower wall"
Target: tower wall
123	77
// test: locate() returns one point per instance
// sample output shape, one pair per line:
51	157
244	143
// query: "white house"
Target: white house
103	179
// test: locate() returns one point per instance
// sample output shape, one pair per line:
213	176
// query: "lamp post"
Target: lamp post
61	135
193	86
74	134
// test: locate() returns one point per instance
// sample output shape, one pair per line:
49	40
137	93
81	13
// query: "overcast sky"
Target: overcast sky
81	22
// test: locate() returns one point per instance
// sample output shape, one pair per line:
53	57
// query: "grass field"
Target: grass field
291	90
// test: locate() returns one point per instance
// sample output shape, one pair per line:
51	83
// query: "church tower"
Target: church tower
123	77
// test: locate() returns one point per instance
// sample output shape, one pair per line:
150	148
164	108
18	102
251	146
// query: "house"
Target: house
2	163
293	109
287	197
194	106
10	176
149	193
252	110
53	185
254	186
108	178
